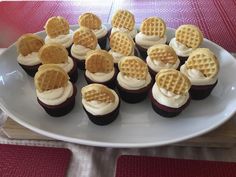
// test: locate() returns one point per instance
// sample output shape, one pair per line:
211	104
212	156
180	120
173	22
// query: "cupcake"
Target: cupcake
133	80
28	46
55	93
170	93
121	45
123	21
161	56
202	69
100	68
100	103
58	31
84	41
94	23
57	54
187	39
152	31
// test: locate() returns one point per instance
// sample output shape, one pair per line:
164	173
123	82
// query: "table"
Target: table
100	162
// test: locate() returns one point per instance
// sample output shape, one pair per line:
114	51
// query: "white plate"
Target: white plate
137	124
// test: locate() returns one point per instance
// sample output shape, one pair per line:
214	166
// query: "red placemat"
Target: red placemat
139	166
216	18
28	161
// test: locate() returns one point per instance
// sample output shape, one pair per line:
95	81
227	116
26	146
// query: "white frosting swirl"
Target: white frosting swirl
68	65
130	83
196	77
31	59
56	96
124	30
100	77
65	40
168	98
157	65
117	56
100	32
180	49
100	108
79	51
146	41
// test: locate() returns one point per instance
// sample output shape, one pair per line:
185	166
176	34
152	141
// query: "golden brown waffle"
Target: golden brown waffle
153	26
97	92
134	67
85	37
29	43
123	19
163	53
122	43
50	76
204	61
173	81
99	61
90	21
56	26
189	35
53	54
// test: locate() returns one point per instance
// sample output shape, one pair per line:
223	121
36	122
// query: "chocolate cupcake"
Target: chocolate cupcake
94	23
100	68
123	21
202	69
100	103
55	93
133	80
161	56
28	46
187	39
152	32
57	54
121	45
170	93
58	31
84	41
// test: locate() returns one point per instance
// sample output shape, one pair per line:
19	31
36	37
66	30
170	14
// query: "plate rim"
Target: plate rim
110	144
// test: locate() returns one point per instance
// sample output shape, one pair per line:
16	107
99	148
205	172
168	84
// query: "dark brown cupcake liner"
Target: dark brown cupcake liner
166	111
61	109
110	83
69	49
142	51
103	119
182	60
30	70
199	92
80	63
133	96
73	74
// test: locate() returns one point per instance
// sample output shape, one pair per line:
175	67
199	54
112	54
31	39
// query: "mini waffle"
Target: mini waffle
97	92
173	81
29	43
90	21
189	35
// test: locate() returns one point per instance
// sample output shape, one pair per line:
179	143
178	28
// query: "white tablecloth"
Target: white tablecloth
100	162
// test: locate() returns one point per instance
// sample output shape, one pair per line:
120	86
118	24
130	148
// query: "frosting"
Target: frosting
147	41
117	56
56	96
29	60
157	65
100	108
100	32
68	65
196	77
132	83
79	51
100	77
168	98
180	49
65	40
124	30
